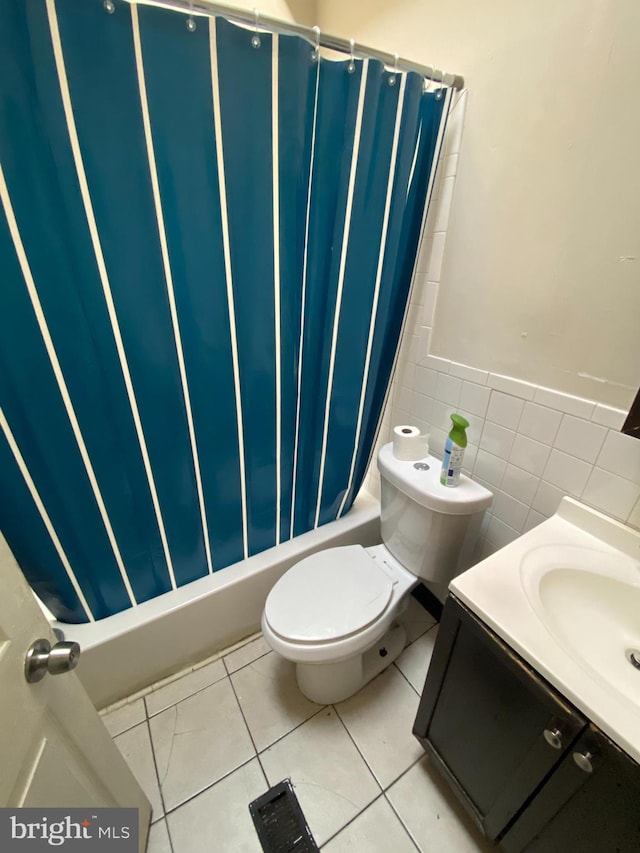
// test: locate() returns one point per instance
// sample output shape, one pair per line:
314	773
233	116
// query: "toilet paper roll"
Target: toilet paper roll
408	443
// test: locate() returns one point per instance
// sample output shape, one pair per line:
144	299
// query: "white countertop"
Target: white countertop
501	592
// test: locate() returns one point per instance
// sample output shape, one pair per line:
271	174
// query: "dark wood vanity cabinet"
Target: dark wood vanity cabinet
528	767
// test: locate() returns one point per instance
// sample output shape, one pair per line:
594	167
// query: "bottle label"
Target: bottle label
451	463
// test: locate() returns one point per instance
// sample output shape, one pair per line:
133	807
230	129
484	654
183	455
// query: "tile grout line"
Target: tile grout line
369	768
249	663
153	714
242	764
257	753
381	795
176	676
225	674
354	818
260	752
405	677
155	763
295	728
128	728
396	813
248	728
208	787
402	824
166	823
150	714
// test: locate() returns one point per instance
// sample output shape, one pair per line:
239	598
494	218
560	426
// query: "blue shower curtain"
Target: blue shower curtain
206	250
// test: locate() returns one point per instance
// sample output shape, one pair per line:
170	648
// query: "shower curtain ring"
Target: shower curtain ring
316	51
109	6
392	78
351	67
441	88
191	24
255	41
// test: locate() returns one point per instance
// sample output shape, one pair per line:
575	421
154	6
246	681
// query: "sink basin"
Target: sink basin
565	596
589	601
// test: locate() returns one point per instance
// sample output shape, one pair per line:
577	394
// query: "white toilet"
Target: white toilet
336	613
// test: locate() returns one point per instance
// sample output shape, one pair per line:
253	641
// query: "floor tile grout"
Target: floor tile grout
244	719
402	823
155	764
142	695
295	728
184	698
355	817
248	663
244	666
226	674
128	728
206	788
395	663
382	792
177	676
386	792
155	767
166	823
369	768
258	753
404	772
405	677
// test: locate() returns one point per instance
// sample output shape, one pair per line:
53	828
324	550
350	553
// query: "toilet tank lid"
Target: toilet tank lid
328	595
425	488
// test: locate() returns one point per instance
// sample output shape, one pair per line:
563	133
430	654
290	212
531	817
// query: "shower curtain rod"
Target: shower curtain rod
242	16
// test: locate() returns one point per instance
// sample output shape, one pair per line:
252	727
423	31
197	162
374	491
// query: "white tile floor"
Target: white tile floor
210	741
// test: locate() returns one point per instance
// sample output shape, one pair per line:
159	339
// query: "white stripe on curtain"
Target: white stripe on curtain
304	297
168	276
425	213
213	51
102	269
343	260
17	455
376	292
276	271
62	385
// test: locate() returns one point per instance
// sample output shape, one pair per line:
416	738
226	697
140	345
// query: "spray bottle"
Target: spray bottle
454	451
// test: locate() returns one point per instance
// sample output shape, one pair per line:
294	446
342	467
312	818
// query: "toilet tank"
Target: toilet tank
430	528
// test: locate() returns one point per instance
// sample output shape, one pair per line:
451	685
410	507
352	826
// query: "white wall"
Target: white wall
301	11
541	274
523	237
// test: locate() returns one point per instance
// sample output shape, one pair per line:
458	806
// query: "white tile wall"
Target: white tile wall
474	398
530	445
539	423
505	410
530	454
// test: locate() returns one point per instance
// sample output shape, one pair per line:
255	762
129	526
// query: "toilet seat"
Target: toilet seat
329	596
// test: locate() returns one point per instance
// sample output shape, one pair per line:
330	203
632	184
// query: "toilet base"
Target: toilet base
326	683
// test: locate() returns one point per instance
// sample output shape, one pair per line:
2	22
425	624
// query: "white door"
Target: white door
55	751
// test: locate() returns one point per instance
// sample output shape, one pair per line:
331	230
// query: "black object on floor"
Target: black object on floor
280	823
428	600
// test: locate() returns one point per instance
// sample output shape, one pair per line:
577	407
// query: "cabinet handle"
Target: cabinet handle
583	760
553	737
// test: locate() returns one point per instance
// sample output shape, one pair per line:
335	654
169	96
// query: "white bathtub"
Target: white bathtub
130	650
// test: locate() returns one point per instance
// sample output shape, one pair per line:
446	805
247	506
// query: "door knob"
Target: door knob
42	658
584	761
553	737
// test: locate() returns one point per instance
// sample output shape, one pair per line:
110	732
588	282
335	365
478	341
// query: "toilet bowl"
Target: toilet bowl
338	613
331	608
